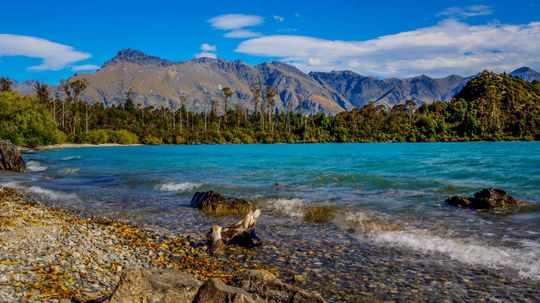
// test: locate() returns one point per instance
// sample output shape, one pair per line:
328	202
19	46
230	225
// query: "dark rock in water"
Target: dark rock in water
10	157
215	291
487	198
155	285
271	289
319	213
212	203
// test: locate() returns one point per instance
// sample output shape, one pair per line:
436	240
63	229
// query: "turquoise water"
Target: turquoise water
391	194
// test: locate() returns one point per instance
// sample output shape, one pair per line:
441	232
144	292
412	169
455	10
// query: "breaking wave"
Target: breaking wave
525	260
293	207
35	166
179	187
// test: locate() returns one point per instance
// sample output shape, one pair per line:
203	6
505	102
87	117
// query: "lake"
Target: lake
393	236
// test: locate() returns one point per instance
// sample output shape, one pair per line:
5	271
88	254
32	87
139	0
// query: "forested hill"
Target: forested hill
489	107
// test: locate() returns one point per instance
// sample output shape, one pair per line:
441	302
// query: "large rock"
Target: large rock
10	157
212	203
215	291
487	198
155	285
271	289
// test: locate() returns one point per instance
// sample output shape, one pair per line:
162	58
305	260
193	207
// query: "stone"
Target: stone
155	285
271	289
487	198
319	213
10	157
213	203
215	291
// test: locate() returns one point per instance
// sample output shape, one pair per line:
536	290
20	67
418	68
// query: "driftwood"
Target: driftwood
241	233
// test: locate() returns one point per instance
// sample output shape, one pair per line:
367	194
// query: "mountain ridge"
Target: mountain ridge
159	82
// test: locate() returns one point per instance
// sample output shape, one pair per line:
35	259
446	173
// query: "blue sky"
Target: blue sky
50	40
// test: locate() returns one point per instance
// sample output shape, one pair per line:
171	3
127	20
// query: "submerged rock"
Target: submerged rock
487	198
10	157
271	289
213	203
155	285
319	213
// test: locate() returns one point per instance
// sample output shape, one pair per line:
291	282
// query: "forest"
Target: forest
491	107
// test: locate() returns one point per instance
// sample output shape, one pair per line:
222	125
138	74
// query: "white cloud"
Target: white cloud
448	47
242	33
235	21
206	55
84	67
207	51
278	19
235	24
466	12
208	48
55	56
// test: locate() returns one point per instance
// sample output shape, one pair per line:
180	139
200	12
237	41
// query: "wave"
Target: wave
293	207
70	171
52	194
179	187
71	158
35	166
525	261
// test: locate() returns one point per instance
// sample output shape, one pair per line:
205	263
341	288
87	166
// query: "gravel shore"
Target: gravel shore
50	255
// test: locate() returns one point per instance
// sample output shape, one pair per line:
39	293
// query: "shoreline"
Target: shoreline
48	253
88	145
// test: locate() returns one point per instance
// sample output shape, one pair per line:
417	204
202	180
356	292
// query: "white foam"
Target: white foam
52	194
292	207
35	166
70	171
179	187
71	158
525	260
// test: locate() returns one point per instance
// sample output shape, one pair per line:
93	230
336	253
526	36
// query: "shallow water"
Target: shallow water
392	225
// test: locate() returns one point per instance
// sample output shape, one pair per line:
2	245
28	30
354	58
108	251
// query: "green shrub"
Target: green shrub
123	137
26	122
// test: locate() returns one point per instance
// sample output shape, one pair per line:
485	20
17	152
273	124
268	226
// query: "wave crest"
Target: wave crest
179	187
35	166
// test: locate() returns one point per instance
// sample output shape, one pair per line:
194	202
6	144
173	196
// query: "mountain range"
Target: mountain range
157	82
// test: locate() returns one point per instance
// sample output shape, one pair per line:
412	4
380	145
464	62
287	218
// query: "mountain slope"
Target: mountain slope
156	82
361	90
526	73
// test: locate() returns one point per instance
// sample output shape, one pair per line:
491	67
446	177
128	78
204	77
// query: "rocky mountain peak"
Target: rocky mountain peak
138	57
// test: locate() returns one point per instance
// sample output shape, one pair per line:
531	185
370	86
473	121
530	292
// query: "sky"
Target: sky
52	40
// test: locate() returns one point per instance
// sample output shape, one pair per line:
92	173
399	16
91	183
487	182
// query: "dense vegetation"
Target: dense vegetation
489	107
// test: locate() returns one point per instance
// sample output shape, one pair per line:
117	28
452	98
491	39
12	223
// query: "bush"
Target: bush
123	137
26	122
151	140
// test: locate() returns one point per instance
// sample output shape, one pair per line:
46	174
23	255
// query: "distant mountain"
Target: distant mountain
158	82
526	73
361	90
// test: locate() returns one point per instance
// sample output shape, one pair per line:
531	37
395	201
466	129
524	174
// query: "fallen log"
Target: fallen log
240	233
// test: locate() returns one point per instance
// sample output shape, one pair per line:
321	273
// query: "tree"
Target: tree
129	105
5	84
227	93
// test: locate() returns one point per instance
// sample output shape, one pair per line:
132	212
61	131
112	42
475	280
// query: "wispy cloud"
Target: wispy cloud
278	19
466	12
242	33
84	67
207	51
235	24
448	47
235	21
55	56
